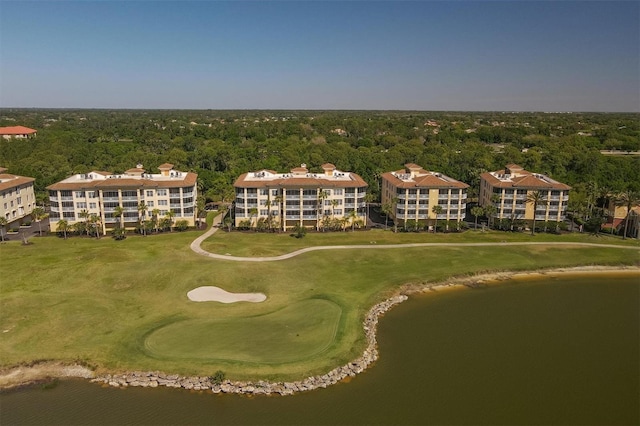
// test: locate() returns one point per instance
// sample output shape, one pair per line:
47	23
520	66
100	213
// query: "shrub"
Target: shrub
218	377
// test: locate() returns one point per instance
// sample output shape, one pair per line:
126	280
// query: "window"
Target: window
150	193
338	211
79	194
162	192
337	192
5	206
264	192
19	200
81	205
162	202
92	194
264	212
274	192
149	203
92	205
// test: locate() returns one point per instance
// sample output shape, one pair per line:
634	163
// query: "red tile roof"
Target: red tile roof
12	181
16	130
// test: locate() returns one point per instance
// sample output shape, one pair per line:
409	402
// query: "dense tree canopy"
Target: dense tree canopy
220	145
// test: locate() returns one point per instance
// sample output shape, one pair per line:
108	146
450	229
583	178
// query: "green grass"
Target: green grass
122	304
262	244
297	332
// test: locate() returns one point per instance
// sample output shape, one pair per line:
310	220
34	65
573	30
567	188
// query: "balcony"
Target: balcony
423	216
310	216
110	199
111	219
67	198
68	209
185	205
401	197
293	216
129	198
412	196
177	205
292	197
55	209
424	196
350	205
309	197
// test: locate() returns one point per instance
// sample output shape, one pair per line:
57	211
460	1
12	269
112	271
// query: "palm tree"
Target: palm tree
63	226
368	199
118	211
279	200
84	214
267	204
535	198
253	212
629	199
155	214
477	211
169	217
490	210
386	208
352	218
3	224
38	214
437	210
142	210
94	224
322	195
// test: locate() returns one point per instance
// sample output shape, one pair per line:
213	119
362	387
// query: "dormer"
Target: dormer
328	169
412	169
138	171
165	169
300	171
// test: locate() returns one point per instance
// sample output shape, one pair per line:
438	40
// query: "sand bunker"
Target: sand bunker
216	294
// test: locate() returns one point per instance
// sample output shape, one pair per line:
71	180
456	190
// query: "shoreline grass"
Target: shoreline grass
100	299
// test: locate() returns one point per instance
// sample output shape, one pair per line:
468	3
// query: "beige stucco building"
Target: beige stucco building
17	197
509	189
299	197
413	192
100	193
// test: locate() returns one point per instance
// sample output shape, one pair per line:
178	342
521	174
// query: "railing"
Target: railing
309	216
442	216
455	196
129	198
177	205
443	197
129	209
55	209
185	205
66	198
68	209
310	197
293	216
412	196
423	216
292	197
110	199
424	196
349	205
401	196
111	219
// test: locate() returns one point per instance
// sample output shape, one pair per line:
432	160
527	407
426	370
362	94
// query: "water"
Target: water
561	352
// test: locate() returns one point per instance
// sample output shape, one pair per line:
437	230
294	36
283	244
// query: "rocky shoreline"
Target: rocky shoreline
370	355
33	374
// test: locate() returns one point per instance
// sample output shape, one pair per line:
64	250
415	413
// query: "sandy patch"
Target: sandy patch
216	294
25	374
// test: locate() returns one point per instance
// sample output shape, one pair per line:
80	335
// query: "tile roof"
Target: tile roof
520	178
8	181
421	179
16	130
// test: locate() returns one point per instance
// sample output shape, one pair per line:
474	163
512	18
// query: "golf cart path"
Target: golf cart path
195	246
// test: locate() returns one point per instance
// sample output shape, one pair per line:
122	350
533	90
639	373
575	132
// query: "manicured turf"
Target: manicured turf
297	332
273	244
105	300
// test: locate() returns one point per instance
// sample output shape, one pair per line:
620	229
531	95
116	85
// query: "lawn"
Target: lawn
122	305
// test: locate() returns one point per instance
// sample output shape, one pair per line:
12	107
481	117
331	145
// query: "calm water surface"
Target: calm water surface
560	352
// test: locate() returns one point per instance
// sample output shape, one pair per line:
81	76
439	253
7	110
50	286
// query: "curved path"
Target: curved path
195	246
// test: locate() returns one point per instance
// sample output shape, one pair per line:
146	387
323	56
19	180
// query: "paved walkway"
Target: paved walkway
195	246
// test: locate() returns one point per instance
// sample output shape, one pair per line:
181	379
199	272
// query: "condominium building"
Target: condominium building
509	189
100	193
413	192
299	197
17	198
17	132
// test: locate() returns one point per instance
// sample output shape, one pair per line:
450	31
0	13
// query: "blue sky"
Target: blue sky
424	55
